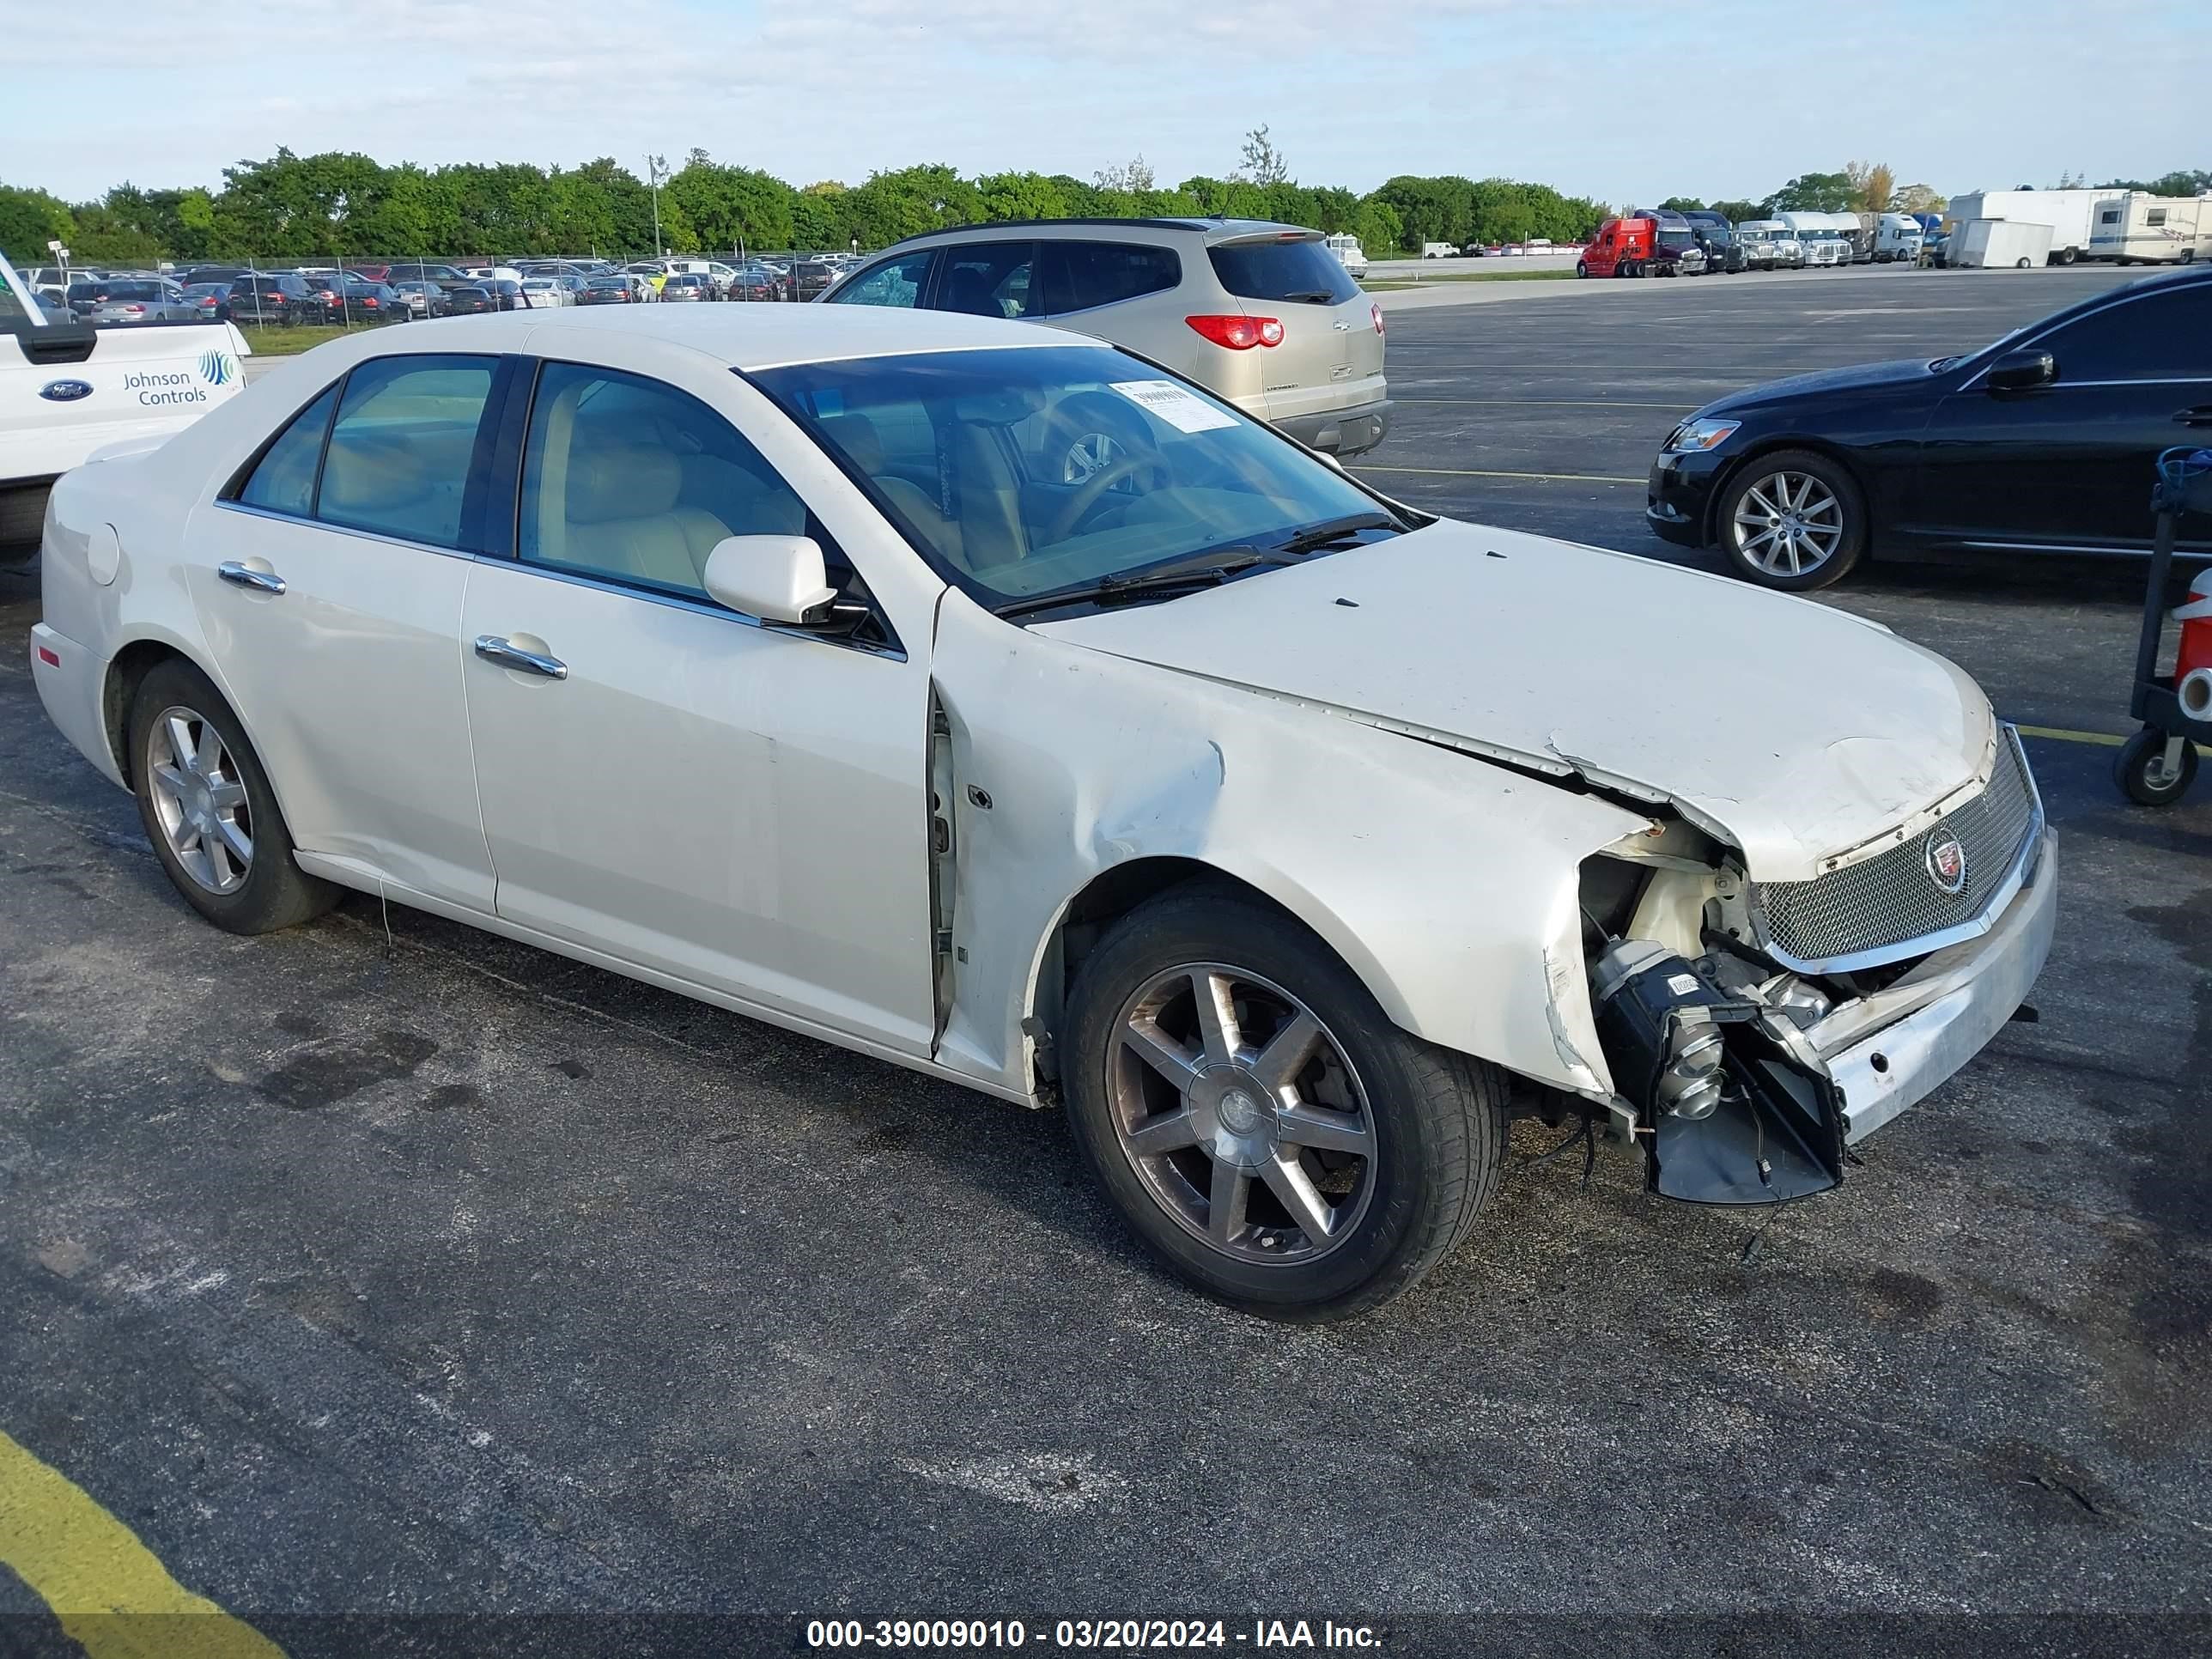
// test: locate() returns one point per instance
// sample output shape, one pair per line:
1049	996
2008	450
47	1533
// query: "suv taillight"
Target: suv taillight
1239	333
1375	312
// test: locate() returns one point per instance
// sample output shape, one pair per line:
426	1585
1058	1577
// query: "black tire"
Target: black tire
2065	256
276	893
1582	268
22	521
1438	1117
2139	767
1849	546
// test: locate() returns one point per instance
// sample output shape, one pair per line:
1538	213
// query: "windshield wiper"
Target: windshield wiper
1207	569
1312	296
1316	537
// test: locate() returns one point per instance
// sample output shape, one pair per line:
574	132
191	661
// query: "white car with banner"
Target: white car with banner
1292	836
70	389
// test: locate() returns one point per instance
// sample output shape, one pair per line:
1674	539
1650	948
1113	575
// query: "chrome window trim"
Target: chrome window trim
702	607
2002	895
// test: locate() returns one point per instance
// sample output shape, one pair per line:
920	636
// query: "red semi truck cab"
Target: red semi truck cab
1622	247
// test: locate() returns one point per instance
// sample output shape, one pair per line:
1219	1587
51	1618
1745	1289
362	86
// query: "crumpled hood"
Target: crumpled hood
1797	731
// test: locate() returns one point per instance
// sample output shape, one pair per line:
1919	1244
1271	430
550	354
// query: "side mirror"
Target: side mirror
776	578
2022	371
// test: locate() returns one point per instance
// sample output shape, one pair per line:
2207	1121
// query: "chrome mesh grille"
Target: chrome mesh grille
1891	900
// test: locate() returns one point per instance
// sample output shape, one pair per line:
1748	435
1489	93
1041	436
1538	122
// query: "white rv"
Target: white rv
2141	227
2068	212
1897	237
1990	244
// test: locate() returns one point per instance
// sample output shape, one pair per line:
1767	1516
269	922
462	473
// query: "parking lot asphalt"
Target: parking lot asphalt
412	1271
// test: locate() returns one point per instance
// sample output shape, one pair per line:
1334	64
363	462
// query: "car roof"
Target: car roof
1214	230
768	337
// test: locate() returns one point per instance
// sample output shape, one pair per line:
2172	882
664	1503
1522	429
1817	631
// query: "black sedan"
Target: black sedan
2042	442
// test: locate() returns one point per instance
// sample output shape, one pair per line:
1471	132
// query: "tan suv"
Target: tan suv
1263	315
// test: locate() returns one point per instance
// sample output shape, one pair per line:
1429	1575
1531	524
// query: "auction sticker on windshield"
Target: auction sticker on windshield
1173	404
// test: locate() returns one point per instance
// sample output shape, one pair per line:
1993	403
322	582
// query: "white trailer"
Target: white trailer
1992	244
2140	227
2070	213
1439	250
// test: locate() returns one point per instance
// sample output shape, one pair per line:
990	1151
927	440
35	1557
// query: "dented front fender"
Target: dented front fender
1447	883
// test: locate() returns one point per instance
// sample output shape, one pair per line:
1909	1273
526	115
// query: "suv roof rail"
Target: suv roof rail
1020	224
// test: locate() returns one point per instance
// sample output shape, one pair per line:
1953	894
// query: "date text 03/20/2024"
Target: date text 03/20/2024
1263	1635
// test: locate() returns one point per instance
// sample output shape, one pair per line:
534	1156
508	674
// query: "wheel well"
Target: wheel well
1091	916
131	665
1820	447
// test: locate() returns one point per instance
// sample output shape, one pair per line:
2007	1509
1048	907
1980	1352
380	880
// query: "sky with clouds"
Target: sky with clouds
1604	98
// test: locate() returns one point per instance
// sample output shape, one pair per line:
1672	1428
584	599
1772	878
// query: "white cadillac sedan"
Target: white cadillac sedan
1293	838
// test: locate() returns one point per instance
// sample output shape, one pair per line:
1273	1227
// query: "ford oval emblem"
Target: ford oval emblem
65	391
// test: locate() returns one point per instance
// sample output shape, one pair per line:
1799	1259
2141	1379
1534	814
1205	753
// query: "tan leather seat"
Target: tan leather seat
862	444
622	517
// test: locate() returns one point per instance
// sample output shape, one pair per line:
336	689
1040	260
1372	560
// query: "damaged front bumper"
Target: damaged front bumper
1891	1049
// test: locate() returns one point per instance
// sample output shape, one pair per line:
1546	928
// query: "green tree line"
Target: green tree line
341	205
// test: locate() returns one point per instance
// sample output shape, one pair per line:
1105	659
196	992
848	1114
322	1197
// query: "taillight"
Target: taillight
1239	333
1375	312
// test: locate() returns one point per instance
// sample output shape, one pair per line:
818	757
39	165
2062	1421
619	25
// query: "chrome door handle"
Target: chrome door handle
244	575
492	648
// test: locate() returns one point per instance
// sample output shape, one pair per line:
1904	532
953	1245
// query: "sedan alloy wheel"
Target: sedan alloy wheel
1789	524
1241	1115
199	800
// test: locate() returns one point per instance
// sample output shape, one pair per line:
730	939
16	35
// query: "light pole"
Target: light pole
656	169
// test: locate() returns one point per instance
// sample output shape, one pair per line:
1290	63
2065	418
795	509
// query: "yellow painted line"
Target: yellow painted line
2060	734
1466	472
110	1593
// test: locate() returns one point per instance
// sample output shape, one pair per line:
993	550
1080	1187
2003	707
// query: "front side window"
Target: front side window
1025	473
895	282
631	480
1079	276
989	279
283	480
1297	271
2152	337
400	449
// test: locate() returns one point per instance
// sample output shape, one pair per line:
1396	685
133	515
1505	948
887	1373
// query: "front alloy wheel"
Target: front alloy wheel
1257	1119
1238	1111
1793	520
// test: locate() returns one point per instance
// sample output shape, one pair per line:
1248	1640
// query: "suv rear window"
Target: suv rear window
1078	276
1283	271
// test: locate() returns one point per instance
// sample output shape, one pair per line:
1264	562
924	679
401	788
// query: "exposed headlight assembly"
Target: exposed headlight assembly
1694	437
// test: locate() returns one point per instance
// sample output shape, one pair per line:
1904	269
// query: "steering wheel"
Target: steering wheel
1088	492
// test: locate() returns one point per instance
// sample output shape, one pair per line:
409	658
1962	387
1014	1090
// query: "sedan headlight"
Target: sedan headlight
1693	437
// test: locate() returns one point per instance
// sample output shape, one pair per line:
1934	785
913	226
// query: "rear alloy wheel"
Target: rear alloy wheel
1793	520
1258	1121
209	811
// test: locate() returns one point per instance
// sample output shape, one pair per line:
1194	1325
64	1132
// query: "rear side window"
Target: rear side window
1304	271
1078	276
284	479
988	279
400	449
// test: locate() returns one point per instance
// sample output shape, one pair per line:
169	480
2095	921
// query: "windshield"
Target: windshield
16	309
1035	471
1674	239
